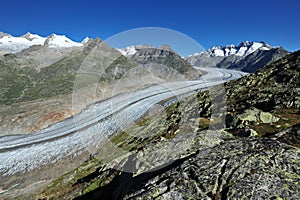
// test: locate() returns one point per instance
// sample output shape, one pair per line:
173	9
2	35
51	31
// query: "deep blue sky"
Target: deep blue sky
209	22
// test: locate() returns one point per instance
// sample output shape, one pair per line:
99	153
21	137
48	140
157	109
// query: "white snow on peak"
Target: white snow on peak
34	38
265	48
232	51
195	54
12	44
245	48
54	41
241	51
254	47
128	51
218	52
227	51
131	50
85	40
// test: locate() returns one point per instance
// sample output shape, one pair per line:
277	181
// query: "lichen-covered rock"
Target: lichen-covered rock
256	115
240	169
251	116
250	168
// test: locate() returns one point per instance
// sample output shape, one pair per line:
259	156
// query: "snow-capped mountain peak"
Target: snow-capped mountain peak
12	44
85	40
3	34
31	37
247	56
60	41
131	50
244	48
128	51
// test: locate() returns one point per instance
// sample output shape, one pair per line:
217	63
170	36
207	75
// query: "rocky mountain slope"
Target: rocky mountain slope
162	58
203	147
37	85
248	56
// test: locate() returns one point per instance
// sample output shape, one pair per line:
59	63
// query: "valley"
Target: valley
86	120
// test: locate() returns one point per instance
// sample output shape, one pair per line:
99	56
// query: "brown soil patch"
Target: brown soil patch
51	118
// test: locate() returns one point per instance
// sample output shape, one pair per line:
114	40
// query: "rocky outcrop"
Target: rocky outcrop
3	34
240	169
251	116
164	55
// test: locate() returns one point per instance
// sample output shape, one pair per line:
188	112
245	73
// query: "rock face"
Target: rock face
252	115
240	169
247	57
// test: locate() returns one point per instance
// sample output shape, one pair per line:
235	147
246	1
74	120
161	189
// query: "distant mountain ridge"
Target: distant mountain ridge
247	56
131	50
244	48
12	44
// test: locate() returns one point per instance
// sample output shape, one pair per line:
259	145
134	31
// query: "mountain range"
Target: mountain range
12	44
247	56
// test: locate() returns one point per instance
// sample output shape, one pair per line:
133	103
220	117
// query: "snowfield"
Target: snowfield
13	44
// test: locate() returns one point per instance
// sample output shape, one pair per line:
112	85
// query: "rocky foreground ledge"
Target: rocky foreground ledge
239	169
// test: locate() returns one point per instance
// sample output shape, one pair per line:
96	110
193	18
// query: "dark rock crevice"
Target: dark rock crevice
126	183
